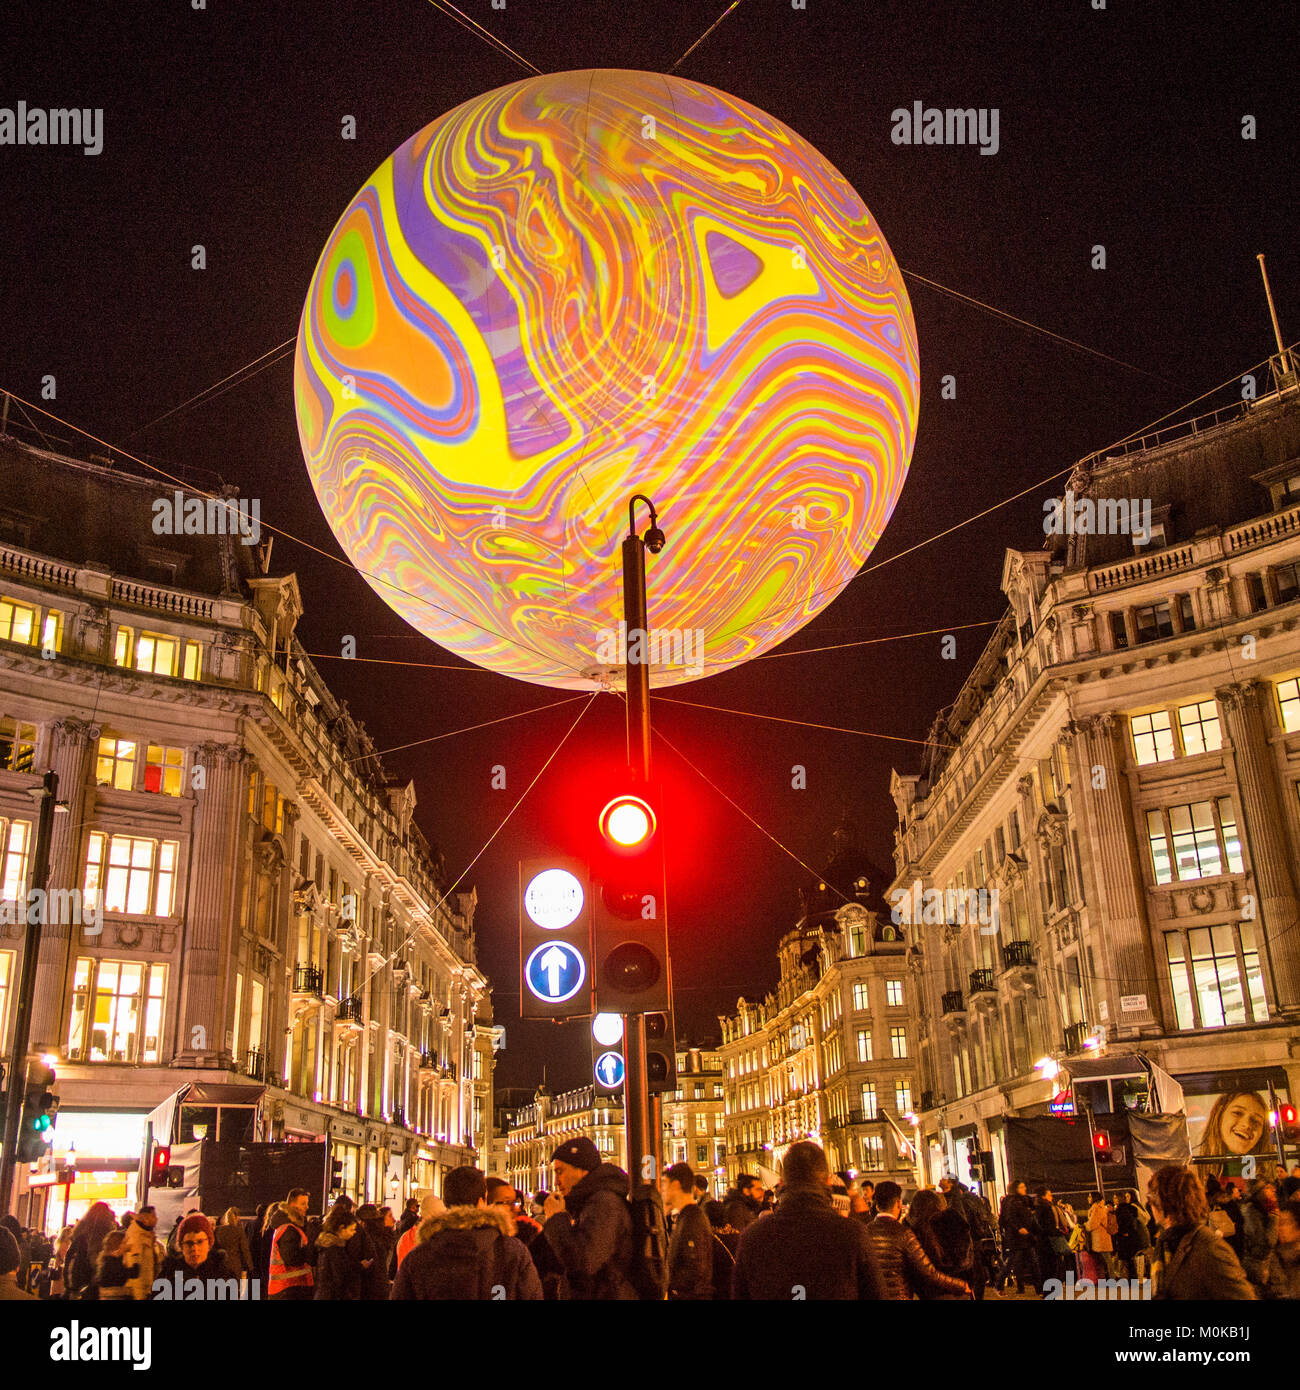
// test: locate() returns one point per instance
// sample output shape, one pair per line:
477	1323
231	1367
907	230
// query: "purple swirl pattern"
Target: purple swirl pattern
582	286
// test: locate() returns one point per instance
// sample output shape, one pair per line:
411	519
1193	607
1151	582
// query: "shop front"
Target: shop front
99	1150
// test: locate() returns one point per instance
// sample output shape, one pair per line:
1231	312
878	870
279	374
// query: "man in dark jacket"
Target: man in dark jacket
905	1270
744	1202
690	1248
978	1216
469	1251
805	1249
589	1224
1019	1227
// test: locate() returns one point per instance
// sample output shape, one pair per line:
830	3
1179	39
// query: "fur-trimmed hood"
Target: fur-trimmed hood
466	1219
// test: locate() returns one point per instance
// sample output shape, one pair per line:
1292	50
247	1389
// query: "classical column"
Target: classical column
72	746
1265	843
210	914
1118	918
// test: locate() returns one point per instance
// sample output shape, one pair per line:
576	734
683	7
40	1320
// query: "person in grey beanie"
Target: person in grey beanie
589	1225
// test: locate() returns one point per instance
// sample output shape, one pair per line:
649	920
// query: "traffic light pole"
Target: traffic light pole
641	1142
16	1080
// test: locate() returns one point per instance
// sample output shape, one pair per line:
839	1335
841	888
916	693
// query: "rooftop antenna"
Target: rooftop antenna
1283	366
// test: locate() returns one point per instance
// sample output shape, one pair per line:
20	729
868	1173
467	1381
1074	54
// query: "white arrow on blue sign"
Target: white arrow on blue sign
610	1069
555	972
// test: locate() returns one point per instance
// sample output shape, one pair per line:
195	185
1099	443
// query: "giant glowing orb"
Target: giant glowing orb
582	286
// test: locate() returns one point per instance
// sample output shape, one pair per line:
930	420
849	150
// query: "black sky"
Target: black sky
1119	127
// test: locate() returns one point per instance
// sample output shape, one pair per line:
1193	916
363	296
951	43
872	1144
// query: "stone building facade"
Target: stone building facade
830	1054
1121	774
265	906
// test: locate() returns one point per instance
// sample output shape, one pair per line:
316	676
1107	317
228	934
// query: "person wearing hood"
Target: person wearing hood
805	1249
429	1206
589	1224
339	1273
142	1253
289	1275
468	1251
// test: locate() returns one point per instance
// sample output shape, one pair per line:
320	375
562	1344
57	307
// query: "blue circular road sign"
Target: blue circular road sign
610	1069
555	972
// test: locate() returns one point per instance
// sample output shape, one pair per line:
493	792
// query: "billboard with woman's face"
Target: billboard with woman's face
1228	1127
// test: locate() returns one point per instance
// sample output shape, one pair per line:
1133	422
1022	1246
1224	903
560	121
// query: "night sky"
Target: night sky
1120	127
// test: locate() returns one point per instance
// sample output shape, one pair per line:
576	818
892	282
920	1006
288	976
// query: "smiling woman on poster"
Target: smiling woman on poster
1237	1125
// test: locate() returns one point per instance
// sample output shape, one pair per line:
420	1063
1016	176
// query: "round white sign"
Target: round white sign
553	899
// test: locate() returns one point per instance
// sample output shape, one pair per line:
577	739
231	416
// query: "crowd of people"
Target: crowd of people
818	1235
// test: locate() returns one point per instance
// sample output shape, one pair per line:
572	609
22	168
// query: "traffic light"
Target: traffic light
1101	1148
980	1164
1288	1122
336	1175
554	939
160	1166
40	1107
629	923
660	1053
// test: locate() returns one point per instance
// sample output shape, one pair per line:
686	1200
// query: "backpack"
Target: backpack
459	1268
648	1272
978	1217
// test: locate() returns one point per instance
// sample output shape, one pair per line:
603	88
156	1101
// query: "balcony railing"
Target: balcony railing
399	1117
307	979
428	1061
951	1002
1017	953
1076	1034
349	1012
981	982
254	1064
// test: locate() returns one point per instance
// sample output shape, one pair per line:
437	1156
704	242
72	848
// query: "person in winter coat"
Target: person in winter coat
1100	1227
410	1216
957	1250
1258	1231
1019	1226
805	1248
589	1224
290	1276
1132	1238
690	1247
339	1274
429	1206
1284	1263
232	1241
974	1209
925	1206
10	1259
468	1251
202	1267
1192	1262
726	1242
906	1272
743	1204
1051	1234
375	1283
111	1273
84	1250
142	1254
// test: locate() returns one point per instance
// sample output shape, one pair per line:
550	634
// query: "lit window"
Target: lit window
273	820
1199	724
163	768
873	1152
894	993
122	647
136	876
864	1045
15	836
1288	700
1153	739
116	764
903	1095
117	1011
18	622
17	745
1200	846
869	1100
52	631
860	1002
155	654
192	666
1286	581
6	980
898	1042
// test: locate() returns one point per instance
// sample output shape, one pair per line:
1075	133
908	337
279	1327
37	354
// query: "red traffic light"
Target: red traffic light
162	1161
1101	1141
1286	1115
627	822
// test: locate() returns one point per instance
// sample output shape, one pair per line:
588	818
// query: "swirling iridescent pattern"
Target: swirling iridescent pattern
583	286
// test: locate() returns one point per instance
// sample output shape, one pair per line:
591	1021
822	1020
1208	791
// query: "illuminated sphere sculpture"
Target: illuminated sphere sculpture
588	285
